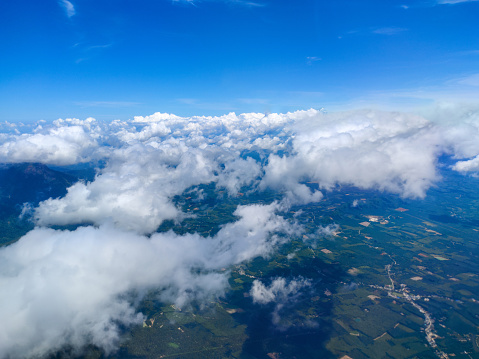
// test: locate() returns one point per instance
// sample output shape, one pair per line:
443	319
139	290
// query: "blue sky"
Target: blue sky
116	59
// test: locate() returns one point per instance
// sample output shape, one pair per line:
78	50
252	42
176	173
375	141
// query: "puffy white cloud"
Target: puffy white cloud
238	173
153	158
279	292
256	222
328	231
156	117
458	125
368	149
149	164
150	160
467	166
134	191
75	288
155	129
61	145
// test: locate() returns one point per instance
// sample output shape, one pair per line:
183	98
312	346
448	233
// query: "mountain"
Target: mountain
22	183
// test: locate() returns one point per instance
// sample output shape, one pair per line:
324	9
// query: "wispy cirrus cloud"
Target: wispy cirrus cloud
246	3
89	51
94	47
312	59
471	80
431	3
389	30
191	2
106	103
452	2
231	2
471	52
260	101
68	7
202	105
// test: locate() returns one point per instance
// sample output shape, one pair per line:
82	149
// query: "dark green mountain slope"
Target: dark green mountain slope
26	183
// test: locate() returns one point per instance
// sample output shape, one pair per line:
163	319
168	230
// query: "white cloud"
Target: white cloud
233	2
249	101
368	149
472	80
458	125
389	30
452	2
467	166
238	173
192	2
328	231
157	117
134	191
68	7
312	59
113	104
151	159
62	145
46	275
250	3
279	292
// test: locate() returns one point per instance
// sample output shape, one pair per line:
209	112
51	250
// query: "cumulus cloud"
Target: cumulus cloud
328	231
467	166
279	292
68	142
368	149
134	191
238	173
157	157
458	126
151	159
46	275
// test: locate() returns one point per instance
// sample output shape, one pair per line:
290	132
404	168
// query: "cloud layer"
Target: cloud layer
149	160
77	287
